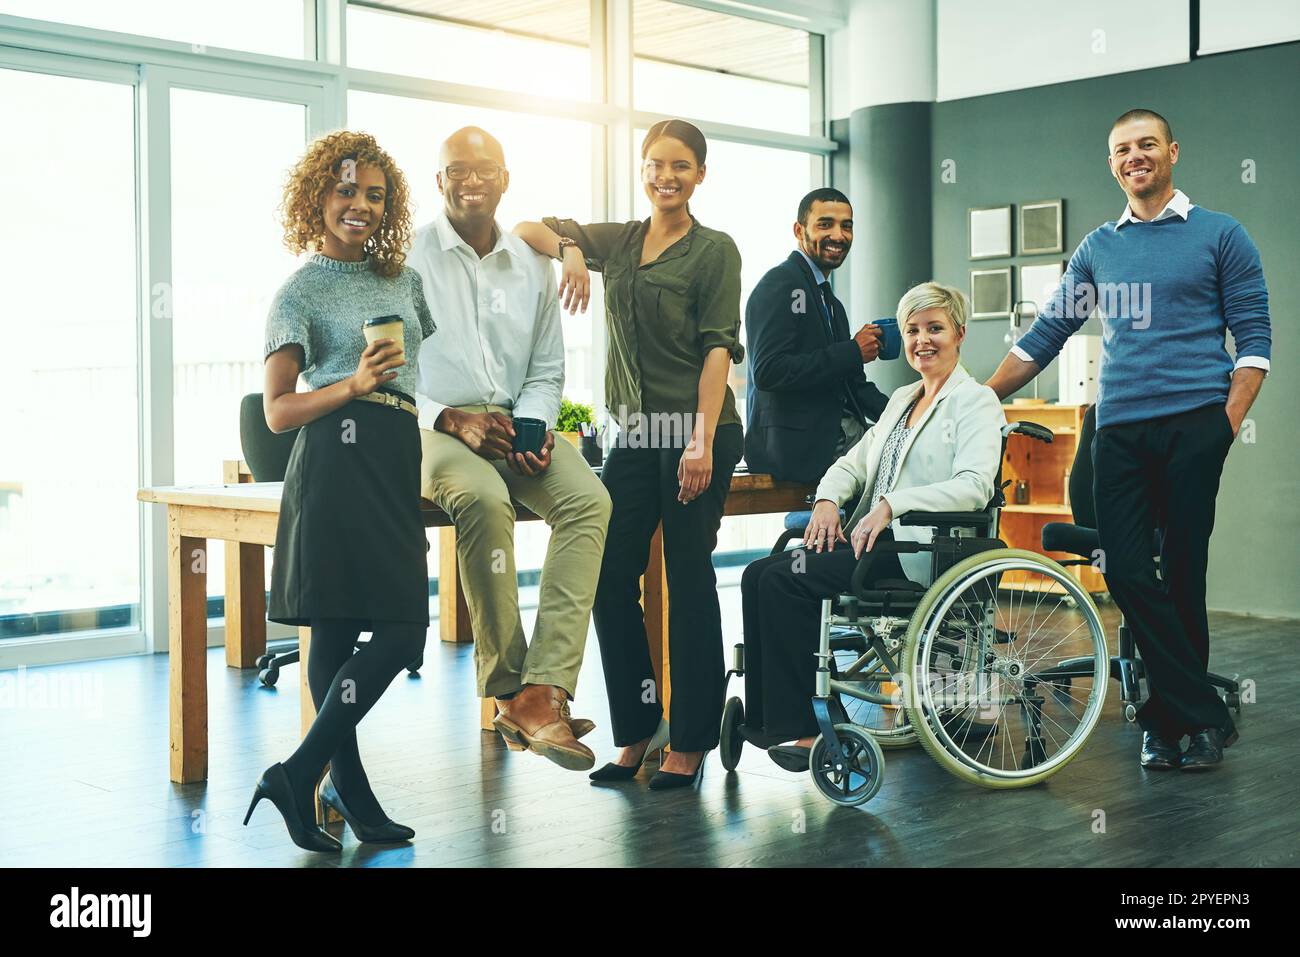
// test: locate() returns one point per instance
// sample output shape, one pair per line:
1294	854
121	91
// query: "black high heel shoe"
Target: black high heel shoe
387	833
667	780
274	784
621	772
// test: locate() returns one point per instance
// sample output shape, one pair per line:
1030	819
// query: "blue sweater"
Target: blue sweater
1166	292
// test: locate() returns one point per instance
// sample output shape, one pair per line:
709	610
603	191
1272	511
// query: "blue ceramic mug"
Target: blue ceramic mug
891	343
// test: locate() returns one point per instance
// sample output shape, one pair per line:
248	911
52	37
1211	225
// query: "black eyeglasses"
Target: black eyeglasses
489	173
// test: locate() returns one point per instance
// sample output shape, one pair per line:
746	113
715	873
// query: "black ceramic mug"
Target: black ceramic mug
530	434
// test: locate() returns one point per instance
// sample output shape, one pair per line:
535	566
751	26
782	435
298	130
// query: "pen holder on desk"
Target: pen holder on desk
592	450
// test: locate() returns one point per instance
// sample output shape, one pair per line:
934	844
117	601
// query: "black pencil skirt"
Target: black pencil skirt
350	541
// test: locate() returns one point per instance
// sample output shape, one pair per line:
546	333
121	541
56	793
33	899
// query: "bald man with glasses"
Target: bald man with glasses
502	356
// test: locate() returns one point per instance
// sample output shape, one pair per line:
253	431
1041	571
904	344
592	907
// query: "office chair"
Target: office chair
1081	538
267	456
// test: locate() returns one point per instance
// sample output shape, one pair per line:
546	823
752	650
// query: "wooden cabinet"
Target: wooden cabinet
1044	469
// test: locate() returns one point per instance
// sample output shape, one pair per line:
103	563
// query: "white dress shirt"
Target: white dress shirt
1179	205
499	336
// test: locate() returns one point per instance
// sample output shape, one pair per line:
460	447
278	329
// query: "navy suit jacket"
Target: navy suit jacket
800	378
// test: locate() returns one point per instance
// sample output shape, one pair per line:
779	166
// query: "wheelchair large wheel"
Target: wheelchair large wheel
856	782
1019	700
731	742
888	724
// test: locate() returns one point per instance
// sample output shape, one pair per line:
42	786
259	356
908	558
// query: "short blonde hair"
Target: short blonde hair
932	295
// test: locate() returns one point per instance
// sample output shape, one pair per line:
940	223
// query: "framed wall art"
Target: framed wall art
989	232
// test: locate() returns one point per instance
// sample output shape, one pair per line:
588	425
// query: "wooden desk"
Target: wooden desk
245	514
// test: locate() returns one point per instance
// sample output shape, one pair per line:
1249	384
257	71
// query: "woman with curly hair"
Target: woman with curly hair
350	552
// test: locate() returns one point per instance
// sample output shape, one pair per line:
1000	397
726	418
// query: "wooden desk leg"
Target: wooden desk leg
654	600
486	712
307	713
453	613
245	604
306	706
187	648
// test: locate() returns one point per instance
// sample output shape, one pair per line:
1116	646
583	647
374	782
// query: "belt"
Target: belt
390	400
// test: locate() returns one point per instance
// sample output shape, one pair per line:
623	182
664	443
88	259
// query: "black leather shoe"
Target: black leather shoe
274	784
622	772
667	780
388	832
1159	754
1205	749
790	757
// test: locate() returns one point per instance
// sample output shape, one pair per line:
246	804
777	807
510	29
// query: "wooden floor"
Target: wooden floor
84	783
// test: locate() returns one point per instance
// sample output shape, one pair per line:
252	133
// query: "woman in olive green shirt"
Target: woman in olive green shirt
672	310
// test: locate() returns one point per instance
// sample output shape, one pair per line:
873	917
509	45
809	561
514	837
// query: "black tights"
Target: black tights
344	686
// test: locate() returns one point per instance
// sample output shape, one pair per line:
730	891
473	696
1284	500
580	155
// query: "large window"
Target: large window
714	66
229	159
540	47
159	172
69	526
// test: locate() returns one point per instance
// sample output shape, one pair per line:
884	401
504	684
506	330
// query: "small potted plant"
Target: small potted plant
571	419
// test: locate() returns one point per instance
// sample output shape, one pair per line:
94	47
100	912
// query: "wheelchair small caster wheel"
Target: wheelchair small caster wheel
1233	701
731	742
856	782
269	676
1130	713
264	660
1035	754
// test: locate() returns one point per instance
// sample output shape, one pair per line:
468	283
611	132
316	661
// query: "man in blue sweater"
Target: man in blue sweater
1168	278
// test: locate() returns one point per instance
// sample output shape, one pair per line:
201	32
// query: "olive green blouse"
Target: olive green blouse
663	318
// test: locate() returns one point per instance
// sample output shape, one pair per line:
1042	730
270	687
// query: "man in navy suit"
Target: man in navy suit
809	400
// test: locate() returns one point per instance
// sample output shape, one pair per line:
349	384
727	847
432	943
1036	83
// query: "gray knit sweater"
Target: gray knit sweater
321	307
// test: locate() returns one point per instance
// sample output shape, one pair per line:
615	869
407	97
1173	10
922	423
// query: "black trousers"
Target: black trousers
1163	473
642	485
782	601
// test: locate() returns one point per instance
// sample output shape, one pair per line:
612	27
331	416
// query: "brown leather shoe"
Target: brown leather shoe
533	718
581	727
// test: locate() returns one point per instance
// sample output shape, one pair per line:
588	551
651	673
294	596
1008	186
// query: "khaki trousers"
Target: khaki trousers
476	494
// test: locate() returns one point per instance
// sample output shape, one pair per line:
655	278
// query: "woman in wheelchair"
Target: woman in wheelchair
935	448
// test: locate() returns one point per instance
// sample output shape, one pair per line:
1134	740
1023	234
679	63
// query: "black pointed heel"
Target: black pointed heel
622	772
667	780
274	784
389	832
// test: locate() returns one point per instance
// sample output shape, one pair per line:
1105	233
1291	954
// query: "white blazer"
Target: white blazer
949	461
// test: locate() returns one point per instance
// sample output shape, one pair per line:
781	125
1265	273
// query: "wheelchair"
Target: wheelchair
998	669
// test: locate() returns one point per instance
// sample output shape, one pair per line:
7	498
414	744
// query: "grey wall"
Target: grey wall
1050	142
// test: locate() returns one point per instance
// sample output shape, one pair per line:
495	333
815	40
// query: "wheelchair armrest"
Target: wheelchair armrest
863	568
787	536
1032	429
947	520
